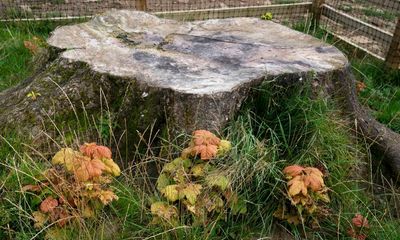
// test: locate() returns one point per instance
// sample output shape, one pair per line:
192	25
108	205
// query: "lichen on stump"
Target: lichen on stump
159	72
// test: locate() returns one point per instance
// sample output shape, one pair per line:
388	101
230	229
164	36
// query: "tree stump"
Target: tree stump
152	71
198	72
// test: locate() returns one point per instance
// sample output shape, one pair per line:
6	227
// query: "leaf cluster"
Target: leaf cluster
359	227
34	44
267	16
192	186
75	187
306	196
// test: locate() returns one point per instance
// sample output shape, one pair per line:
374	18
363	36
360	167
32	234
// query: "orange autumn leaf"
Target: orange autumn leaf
206	152
313	179
93	150
360	221
296	185
31	46
360	86
293	170
204	137
63	218
48	204
204	143
312	170
60	216
87	168
107	196
314	182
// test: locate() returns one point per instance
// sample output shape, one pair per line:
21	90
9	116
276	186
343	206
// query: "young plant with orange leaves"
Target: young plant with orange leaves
359	227
192	186
75	187
306	196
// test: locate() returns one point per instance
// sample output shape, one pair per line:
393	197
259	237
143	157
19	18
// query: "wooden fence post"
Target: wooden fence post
393	54
141	5
316	11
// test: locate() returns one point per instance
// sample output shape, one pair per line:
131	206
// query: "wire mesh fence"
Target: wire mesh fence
36	9
367	24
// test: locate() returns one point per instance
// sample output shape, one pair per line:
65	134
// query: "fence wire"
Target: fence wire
367	24
289	10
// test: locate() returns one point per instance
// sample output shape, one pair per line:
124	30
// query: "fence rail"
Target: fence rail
370	25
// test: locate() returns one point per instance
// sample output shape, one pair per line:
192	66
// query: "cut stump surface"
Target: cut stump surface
189	75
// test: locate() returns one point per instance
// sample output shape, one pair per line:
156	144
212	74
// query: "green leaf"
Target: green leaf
180	176
65	157
239	207
163	181
213	202
215	180
171	192
198	170
323	197
224	147
191	191
39	218
176	164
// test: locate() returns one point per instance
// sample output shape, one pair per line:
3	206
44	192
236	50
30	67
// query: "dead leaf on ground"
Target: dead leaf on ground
48	204
164	210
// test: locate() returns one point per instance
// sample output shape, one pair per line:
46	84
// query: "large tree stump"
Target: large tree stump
184	75
198	72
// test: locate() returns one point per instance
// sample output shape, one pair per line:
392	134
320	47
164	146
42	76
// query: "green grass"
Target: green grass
280	126
382	94
15	59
